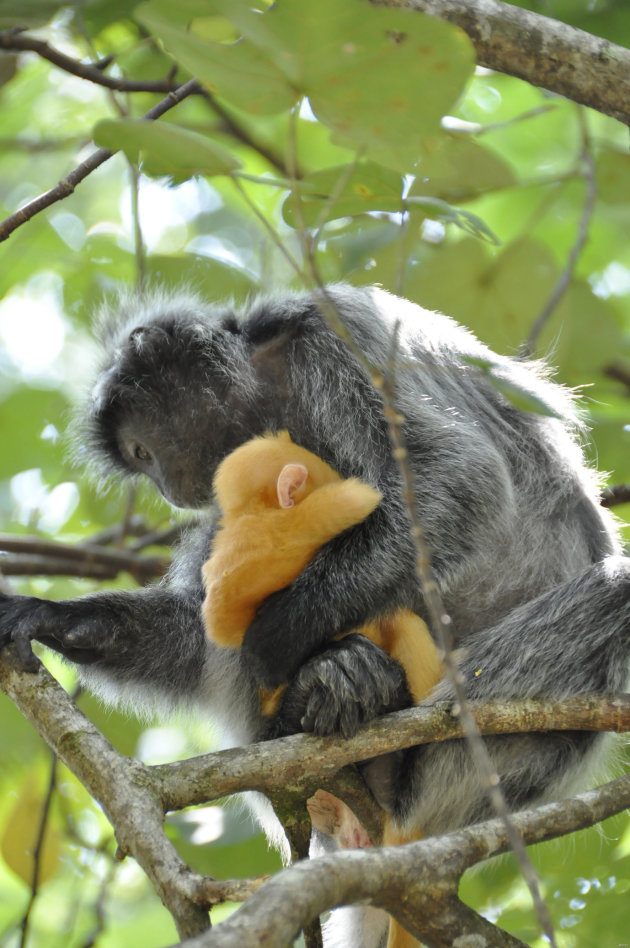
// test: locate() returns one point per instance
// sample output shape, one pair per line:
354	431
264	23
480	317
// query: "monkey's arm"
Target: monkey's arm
260	553
572	640
148	648
148	636
364	572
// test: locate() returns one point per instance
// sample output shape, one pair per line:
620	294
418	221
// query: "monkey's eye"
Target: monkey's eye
141	453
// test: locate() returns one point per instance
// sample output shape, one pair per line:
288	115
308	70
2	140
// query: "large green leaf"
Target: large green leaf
347	58
344	191
240	72
456	168
163	148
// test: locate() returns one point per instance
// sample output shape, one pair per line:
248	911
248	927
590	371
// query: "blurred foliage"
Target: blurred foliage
321	150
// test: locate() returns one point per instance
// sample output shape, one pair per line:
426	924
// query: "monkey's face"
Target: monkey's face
173	402
179	465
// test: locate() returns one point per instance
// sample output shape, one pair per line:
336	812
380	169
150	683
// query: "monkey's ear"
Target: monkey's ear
290	479
269	359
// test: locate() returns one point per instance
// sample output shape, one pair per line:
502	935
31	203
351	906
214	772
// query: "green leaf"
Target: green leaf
345	191
240	72
497	296
442	211
455	168
347	58
164	148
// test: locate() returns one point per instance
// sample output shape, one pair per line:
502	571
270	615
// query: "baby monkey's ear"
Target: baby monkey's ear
290	479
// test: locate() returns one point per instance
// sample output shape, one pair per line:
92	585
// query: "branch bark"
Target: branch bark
37	556
544	52
130	799
293	763
417	883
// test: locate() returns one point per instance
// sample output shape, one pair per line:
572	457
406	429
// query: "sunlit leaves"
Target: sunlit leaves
240	72
19	840
348	64
344	192
165	149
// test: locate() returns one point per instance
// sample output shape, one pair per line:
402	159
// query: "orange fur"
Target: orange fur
280	503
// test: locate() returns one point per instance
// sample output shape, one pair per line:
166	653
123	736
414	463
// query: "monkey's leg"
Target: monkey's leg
572	640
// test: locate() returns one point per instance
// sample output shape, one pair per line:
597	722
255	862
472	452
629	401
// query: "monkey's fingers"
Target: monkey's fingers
348	684
69	631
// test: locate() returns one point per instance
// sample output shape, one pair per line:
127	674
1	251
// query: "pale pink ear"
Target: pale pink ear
290	478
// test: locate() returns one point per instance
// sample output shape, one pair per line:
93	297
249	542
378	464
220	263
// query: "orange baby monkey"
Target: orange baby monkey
280	503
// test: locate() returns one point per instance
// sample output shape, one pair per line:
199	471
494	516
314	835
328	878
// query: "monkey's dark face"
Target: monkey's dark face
180	465
175	400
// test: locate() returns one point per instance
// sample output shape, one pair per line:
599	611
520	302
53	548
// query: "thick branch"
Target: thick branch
292	763
402	880
122	786
544	52
417	883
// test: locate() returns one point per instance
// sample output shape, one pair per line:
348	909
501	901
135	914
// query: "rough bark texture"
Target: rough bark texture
545	52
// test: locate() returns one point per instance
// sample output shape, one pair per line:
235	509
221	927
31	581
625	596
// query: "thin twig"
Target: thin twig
38	849
587	162
442	628
615	494
83	556
238	131
16	41
619	373
439	620
273	234
66	186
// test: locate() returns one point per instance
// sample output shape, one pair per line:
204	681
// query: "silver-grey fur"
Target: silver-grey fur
527	561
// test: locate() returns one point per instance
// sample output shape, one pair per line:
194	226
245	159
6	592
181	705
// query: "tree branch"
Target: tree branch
544	52
123	787
66	186
417	883
36	556
615	494
297	761
16	40
400	879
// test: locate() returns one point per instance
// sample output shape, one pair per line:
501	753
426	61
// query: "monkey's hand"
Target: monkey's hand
364	572
335	692
76	630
